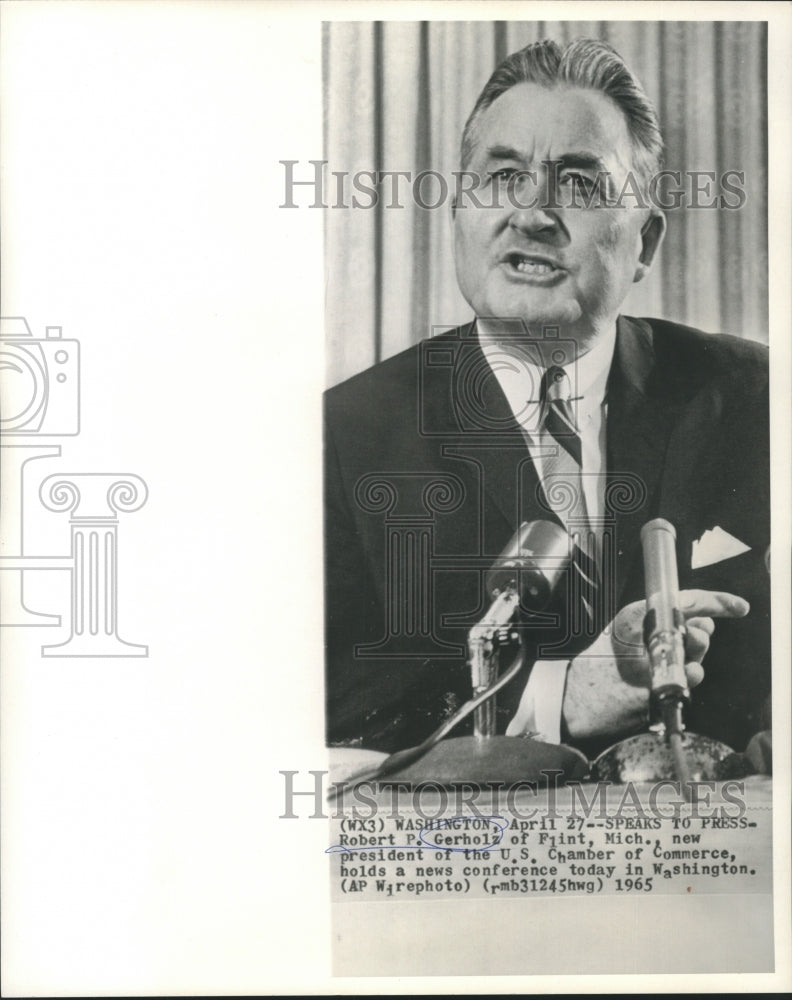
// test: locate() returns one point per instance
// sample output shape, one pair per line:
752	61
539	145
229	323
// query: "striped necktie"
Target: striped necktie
559	416
562	485
561	471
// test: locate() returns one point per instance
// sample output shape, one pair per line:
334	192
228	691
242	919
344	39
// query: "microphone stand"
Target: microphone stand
484	644
486	757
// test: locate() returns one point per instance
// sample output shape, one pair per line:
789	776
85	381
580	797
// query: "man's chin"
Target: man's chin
562	315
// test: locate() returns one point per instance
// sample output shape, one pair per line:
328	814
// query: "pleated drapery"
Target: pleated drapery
397	95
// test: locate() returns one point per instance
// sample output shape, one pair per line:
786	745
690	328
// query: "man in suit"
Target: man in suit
550	406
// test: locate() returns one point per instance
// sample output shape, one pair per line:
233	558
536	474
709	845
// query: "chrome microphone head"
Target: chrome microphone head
664	626
532	563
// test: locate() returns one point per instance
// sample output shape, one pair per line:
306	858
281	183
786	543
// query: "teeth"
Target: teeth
533	267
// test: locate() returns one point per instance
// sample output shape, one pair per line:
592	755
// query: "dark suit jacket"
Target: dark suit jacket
427	476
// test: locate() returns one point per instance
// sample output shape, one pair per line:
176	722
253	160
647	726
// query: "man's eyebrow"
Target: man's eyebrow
504	153
581	161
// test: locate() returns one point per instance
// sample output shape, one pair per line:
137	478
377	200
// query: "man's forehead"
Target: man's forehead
539	123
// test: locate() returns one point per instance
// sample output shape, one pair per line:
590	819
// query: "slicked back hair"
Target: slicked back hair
586	63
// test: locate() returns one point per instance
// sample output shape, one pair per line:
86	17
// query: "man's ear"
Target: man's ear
652	235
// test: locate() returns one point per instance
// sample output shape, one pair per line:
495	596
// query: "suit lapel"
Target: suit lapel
510	479
641	416
470	416
642	413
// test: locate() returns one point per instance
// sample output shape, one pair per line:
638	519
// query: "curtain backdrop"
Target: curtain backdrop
397	95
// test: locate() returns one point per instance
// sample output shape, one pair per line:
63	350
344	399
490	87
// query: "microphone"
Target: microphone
525	576
686	756
664	625
532	563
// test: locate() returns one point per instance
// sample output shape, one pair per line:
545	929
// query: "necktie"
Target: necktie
561	471
559	415
562	485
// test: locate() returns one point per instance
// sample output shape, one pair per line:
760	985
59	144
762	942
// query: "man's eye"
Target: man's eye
504	175
573	179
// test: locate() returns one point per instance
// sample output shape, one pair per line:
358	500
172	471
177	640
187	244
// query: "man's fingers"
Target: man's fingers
694	673
715	603
697	639
703	624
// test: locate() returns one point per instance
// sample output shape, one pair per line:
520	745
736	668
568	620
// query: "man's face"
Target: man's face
556	263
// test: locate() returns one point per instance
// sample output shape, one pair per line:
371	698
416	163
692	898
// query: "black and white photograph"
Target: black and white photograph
395	537
547	461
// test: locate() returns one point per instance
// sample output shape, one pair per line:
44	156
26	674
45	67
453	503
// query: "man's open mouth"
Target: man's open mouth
531	265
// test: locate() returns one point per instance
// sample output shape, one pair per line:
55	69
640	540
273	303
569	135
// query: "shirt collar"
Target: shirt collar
519	371
593	370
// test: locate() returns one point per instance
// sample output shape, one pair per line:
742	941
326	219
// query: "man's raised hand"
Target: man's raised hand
607	688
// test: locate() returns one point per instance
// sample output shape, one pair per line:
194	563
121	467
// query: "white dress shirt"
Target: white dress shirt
519	371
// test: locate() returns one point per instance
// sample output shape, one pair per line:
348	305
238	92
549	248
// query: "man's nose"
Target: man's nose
531	206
